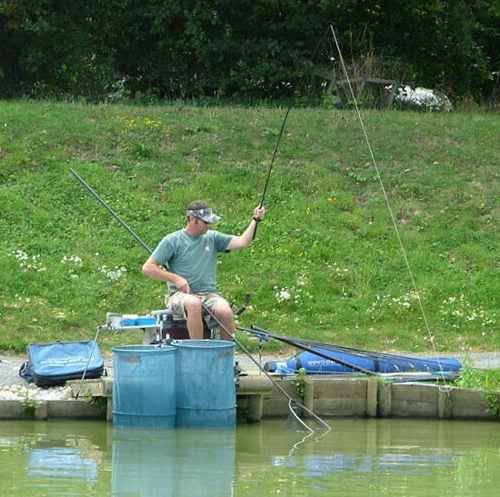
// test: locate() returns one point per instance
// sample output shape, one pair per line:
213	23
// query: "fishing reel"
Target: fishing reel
243	308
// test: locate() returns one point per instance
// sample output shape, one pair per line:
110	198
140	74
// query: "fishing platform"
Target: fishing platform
252	392
330	396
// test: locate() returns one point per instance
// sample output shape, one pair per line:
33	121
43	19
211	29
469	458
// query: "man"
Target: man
187	261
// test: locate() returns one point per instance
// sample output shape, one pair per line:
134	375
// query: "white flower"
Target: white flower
113	274
283	295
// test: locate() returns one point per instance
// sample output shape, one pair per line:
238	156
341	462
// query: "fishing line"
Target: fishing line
386	197
291	400
91	355
292	403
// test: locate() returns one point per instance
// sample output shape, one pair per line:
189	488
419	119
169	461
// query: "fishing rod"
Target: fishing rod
261	332
292	403
305	348
91	355
269	171
274	157
320	41
108	208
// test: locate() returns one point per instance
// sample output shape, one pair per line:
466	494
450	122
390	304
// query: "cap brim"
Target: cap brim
211	219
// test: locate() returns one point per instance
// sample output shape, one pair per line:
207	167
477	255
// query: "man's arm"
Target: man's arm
154	270
245	239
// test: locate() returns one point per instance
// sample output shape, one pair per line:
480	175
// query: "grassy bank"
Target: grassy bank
326	263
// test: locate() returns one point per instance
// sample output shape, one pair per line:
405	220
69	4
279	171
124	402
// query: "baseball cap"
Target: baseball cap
206	214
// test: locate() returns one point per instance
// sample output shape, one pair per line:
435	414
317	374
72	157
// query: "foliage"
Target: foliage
481	379
486	380
279	48
300	384
326	263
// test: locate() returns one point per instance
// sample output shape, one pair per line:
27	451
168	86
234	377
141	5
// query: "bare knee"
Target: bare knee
192	305
224	312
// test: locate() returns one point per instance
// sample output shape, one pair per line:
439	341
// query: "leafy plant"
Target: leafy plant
300	383
488	381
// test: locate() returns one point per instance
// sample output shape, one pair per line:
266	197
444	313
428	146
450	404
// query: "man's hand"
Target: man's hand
182	284
259	213
244	240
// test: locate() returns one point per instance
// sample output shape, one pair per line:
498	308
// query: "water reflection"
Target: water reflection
372	457
61	462
323	465
173	463
369	457
51	459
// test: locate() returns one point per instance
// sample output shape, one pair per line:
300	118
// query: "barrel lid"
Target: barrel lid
143	349
203	344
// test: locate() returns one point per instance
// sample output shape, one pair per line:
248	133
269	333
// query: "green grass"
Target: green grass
488	381
481	379
328	239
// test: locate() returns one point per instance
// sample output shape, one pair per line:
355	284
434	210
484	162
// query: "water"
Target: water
358	458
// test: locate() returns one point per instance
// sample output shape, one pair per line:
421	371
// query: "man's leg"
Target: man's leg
222	310
192	306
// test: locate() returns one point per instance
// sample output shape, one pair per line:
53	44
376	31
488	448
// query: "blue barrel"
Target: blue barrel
144	391
206	394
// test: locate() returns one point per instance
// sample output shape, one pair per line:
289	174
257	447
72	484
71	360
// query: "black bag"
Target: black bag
51	364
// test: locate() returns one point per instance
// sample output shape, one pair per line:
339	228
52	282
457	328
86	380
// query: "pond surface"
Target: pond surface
358	458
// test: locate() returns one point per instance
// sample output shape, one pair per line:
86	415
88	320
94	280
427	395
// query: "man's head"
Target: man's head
201	210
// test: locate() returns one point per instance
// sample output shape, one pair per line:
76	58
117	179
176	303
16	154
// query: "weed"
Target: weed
101	403
300	383
488	381
30	405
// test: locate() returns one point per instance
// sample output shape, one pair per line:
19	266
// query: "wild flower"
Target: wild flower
282	294
72	259
339	272
28	263
297	295
134	123
457	312
73	262
400	305
151	123
113	274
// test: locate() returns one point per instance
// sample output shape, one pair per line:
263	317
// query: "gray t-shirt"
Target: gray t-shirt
193	258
